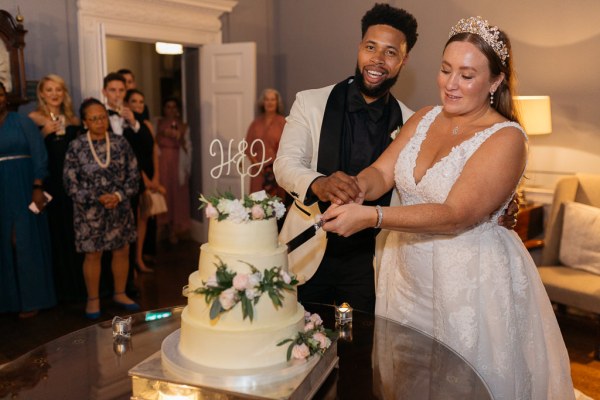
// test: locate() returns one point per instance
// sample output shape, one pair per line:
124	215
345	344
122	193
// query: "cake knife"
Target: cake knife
304	236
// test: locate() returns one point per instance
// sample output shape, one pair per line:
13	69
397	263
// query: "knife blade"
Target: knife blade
304	236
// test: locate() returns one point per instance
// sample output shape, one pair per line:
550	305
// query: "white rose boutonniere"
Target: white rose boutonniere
395	133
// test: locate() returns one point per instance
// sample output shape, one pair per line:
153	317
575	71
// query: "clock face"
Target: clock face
5	75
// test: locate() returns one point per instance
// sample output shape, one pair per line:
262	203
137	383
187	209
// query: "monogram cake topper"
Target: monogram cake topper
236	159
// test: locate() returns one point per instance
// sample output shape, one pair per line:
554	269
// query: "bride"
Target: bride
447	268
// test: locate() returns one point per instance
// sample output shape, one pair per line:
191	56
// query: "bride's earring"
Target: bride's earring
491	97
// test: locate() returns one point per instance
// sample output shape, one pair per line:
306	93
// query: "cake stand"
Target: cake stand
167	374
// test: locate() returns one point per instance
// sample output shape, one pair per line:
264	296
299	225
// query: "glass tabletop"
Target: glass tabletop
378	359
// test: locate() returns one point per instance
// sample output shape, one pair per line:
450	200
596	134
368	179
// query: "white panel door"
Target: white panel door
227	96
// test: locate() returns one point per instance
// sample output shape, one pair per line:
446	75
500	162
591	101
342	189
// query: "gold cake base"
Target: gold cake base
166	374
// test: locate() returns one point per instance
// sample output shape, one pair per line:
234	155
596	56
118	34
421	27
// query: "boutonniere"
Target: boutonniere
395	133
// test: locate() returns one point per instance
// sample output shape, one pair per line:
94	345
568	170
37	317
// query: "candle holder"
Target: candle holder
121	345
343	314
121	327
344	331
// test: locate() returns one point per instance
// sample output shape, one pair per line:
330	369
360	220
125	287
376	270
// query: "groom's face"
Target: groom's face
381	55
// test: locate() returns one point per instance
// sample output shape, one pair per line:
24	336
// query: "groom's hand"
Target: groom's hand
337	188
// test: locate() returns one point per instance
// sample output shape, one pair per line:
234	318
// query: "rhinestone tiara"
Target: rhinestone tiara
490	34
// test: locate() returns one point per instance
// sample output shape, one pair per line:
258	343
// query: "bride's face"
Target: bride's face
464	79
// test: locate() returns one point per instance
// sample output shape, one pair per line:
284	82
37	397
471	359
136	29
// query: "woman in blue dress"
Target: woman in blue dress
26	284
100	176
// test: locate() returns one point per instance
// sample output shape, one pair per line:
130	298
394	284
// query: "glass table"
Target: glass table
378	359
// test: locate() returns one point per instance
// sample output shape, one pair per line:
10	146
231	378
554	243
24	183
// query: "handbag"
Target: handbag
153	203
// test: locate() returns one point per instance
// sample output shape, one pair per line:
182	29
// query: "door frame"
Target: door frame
192	24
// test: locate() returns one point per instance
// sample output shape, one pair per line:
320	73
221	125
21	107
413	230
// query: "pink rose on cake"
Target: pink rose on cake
285	276
300	352
257	212
240	281
324	341
211	211
228	298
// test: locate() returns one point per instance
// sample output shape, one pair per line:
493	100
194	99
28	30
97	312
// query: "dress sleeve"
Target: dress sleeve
39	157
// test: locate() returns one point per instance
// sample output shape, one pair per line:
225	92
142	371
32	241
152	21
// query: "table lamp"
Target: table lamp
536	118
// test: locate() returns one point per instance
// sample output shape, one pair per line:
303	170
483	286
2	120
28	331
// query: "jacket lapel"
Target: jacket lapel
328	160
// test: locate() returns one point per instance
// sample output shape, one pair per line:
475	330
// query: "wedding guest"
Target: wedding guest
175	162
267	127
448	269
26	284
147	157
59	126
130	83
101	175
122	122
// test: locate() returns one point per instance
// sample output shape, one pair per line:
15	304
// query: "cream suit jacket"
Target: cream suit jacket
295	169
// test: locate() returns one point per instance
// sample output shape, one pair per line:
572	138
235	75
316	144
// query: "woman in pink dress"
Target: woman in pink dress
268	127
175	158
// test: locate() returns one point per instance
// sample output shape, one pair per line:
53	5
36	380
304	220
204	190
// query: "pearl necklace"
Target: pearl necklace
107	162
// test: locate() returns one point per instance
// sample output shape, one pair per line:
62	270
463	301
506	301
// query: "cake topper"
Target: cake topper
238	159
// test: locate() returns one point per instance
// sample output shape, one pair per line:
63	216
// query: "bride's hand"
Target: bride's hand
347	219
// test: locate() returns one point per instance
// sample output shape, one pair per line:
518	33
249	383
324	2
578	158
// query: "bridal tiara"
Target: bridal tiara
490	34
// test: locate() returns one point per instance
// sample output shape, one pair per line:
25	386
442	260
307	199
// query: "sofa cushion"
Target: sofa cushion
572	287
580	239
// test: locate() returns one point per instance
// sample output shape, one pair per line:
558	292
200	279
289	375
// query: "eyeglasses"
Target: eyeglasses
96	118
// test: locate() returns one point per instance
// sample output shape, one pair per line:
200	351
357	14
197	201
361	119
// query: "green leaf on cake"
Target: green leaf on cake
247	309
216	309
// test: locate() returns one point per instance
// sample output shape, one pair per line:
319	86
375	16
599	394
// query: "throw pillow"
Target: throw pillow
580	241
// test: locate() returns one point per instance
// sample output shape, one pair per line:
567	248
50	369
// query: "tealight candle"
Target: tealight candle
343	313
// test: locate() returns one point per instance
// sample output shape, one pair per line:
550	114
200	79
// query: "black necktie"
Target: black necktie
112	112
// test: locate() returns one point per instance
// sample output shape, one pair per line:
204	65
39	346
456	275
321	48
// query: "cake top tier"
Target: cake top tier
256	206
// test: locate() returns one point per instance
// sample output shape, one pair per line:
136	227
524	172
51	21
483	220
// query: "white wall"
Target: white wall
556	48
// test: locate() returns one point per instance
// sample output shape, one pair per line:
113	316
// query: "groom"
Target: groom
332	134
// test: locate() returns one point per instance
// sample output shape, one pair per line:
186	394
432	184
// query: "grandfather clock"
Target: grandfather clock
12	61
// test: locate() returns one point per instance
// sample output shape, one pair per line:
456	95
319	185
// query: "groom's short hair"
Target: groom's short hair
398	18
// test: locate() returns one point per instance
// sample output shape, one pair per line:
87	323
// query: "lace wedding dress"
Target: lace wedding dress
478	292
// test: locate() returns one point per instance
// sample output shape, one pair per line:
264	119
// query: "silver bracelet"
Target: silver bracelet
379	216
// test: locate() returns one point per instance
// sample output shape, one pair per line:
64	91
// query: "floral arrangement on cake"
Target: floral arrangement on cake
226	288
315	339
255	206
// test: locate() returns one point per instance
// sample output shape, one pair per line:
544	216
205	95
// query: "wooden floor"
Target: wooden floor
163	289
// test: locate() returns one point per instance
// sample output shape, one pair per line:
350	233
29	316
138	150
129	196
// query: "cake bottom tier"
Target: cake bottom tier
235	349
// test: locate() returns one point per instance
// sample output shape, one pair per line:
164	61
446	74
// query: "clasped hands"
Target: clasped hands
342	189
109	200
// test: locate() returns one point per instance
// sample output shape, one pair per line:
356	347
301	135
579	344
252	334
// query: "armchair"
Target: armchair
569	286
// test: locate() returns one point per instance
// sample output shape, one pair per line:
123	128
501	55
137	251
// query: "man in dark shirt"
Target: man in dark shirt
331	134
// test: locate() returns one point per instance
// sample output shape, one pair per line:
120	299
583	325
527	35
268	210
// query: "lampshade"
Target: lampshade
535	115
168	48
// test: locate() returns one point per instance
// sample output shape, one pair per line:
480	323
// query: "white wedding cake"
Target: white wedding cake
241	301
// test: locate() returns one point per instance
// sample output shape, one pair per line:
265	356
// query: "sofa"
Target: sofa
568	286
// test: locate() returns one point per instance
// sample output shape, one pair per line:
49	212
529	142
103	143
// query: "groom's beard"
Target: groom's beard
375	91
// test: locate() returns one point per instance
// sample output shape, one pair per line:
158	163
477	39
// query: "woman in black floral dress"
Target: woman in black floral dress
100	175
